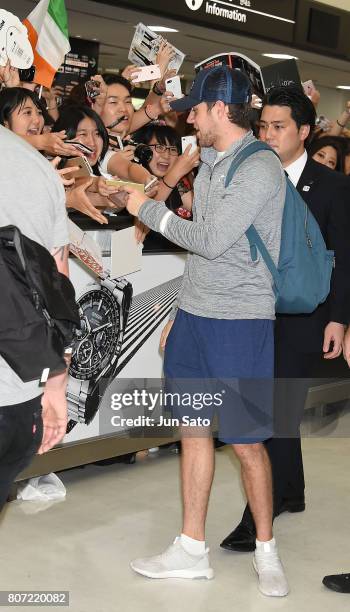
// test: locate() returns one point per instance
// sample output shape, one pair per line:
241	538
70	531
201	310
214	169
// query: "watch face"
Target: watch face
97	340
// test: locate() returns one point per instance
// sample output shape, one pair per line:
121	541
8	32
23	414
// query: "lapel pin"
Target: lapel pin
306	188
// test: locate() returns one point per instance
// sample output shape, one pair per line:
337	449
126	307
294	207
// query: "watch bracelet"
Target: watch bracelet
79	391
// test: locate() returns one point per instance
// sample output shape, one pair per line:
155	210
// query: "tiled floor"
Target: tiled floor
116	513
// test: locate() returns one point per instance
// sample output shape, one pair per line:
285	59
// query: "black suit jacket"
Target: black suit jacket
327	194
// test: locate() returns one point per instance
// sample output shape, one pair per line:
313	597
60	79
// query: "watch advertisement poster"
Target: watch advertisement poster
79	65
121	324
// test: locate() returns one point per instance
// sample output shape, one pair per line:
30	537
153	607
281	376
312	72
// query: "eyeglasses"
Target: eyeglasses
160	148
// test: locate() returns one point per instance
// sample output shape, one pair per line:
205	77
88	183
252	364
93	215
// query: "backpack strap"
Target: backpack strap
18	246
253	236
249	150
256	243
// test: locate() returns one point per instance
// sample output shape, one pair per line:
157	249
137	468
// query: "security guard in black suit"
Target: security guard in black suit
340	582
306	346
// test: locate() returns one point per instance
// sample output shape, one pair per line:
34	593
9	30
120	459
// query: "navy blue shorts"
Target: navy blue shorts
222	367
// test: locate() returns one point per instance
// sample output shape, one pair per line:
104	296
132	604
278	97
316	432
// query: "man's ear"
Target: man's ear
304	132
221	109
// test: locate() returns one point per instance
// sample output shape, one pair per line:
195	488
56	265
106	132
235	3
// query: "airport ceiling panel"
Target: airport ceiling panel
113	27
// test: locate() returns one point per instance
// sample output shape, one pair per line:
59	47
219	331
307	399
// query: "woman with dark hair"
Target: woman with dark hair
22	112
83	124
170	166
329	151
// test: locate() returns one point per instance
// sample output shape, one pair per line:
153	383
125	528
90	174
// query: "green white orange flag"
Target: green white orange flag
48	34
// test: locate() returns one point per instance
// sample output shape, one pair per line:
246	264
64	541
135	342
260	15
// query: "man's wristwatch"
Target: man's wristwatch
103	310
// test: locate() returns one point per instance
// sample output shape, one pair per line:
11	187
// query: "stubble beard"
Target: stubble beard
207	139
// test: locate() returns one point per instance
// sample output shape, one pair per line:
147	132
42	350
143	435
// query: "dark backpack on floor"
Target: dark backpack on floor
38	312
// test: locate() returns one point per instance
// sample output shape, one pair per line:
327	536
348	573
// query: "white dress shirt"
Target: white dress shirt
296	169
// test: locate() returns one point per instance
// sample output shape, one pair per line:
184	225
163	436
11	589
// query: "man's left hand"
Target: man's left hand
333	333
346	347
54	412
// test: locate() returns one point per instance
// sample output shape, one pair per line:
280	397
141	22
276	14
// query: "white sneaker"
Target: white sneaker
175	562
268	566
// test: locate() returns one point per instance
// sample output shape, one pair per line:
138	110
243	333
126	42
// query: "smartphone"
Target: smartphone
147	73
150	184
80	146
174	86
91	87
117	183
59	101
84	170
189	140
323	123
309	88
256	102
26	75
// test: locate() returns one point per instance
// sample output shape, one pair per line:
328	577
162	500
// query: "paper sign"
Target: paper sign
242	63
85	248
281	74
14	42
118	183
144	48
126	254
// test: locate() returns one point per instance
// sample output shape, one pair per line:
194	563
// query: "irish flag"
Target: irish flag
48	34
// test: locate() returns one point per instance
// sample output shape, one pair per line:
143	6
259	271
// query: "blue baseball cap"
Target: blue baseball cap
229	85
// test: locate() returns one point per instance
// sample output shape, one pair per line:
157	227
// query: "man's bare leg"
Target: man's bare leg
188	556
257	482
197	471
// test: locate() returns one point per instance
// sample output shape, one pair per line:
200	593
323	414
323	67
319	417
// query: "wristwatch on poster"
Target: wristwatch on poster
103	310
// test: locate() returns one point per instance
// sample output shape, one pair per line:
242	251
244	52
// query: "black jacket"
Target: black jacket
327	194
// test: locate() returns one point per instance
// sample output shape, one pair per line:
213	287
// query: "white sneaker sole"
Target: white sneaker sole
282	594
184	573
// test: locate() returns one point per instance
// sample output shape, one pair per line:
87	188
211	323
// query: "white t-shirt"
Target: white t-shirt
219	156
32	197
103	166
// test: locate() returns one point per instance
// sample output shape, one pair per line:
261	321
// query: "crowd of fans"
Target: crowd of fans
104	120
94	138
142	146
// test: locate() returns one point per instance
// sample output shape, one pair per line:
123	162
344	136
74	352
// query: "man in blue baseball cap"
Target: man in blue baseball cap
222	322
218	83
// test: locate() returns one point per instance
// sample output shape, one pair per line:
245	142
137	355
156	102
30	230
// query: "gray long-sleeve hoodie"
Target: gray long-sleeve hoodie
220	279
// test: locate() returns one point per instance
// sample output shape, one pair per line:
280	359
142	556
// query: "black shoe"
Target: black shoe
293	504
338	582
241	539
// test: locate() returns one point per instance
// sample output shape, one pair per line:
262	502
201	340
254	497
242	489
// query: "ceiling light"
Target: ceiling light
343	86
282	56
161	29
